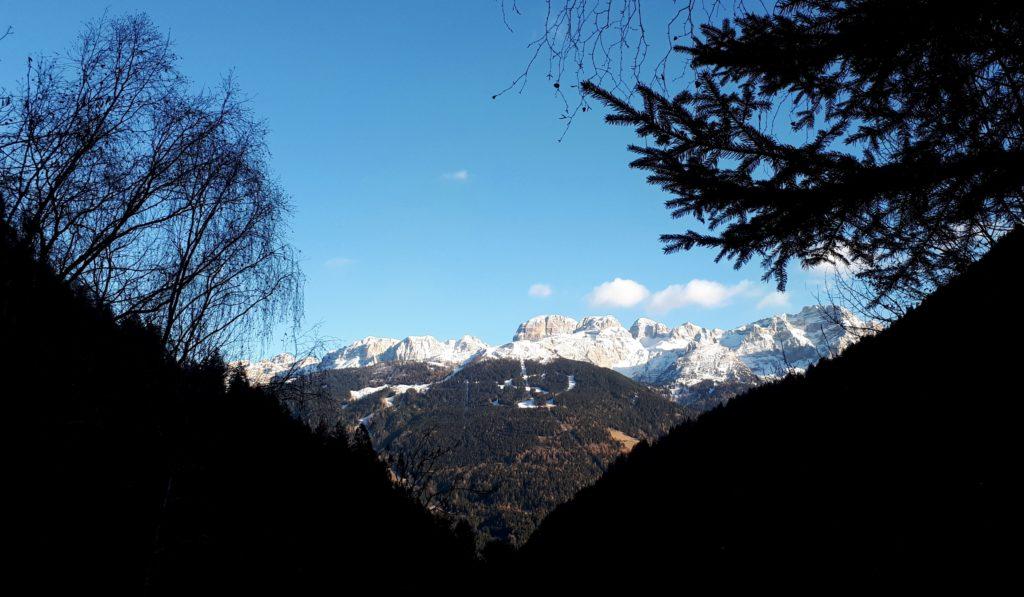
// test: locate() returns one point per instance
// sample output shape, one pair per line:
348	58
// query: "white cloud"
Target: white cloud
775	300
618	293
458	175
706	294
703	293
540	290
338	262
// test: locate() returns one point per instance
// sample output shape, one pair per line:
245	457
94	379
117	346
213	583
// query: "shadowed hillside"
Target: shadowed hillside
137	475
893	461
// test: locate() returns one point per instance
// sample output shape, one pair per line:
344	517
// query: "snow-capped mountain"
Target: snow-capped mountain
424	349
765	349
649	351
361	353
601	341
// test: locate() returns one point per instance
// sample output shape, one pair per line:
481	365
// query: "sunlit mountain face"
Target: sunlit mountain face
681	358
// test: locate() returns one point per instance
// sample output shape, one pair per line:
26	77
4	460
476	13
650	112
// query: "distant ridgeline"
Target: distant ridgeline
132	474
689	359
500	435
898	461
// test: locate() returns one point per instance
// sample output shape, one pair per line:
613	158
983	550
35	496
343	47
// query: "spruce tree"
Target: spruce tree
889	135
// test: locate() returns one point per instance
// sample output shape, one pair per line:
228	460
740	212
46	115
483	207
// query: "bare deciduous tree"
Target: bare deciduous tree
611	43
154	196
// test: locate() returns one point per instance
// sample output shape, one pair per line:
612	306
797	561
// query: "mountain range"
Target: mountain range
686	359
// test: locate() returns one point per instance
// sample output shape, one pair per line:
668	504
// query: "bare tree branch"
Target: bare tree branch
157	198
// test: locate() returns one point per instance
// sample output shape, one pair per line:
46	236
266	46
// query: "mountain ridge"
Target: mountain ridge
648	351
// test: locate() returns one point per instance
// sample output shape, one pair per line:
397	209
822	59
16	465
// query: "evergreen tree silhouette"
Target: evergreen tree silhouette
903	154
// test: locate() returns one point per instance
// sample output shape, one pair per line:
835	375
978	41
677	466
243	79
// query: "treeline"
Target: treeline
132	473
895	462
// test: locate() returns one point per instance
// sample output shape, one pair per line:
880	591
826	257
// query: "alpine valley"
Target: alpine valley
500	435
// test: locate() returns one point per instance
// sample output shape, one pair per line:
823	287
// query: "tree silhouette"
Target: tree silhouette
902	155
155	197
612	43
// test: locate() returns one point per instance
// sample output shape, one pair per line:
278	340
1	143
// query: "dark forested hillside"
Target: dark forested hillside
499	442
133	474
896	460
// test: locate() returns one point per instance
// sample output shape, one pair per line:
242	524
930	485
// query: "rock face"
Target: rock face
543	326
427	349
601	341
361	353
647	331
683	357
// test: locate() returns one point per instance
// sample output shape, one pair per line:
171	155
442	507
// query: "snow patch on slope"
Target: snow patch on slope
398	389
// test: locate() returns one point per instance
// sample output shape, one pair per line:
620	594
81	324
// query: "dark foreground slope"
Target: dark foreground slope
132	474
892	462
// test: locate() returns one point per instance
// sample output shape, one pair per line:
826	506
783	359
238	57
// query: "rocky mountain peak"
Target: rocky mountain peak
428	349
285	358
361	353
468	342
648	329
597	323
543	326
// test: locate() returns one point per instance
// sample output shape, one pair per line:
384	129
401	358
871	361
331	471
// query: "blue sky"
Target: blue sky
422	206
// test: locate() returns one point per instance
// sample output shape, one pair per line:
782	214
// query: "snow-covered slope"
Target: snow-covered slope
427	349
601	341
773	346
424	349
649	351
